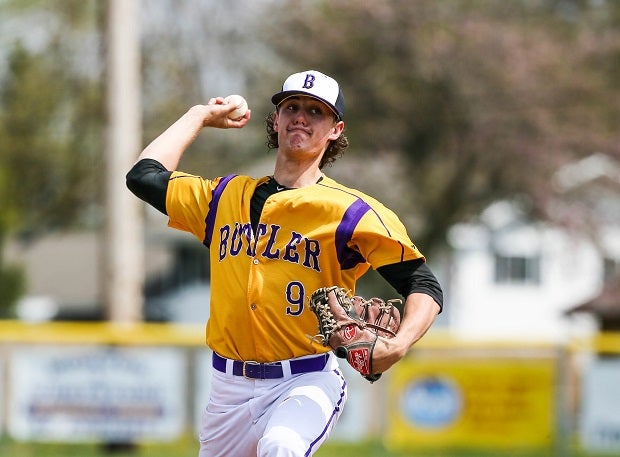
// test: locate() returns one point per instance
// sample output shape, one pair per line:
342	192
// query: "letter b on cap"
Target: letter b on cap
309	81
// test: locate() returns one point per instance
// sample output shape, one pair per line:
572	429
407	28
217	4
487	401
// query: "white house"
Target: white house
512	279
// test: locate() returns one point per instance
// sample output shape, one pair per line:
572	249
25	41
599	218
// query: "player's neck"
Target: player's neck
295	175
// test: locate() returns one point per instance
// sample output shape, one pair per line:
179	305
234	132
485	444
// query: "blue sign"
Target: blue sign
431	402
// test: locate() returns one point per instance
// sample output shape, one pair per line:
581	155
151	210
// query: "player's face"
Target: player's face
305	124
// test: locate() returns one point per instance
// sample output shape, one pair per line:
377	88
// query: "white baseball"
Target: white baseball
240	103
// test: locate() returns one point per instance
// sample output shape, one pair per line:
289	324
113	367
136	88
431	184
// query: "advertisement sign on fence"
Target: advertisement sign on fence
472	402
111	394
600	415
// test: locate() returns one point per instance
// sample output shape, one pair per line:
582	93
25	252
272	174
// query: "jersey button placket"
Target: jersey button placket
253	306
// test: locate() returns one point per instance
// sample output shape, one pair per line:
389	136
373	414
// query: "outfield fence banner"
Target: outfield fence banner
96	393
3	389
599	425
111	382
485	402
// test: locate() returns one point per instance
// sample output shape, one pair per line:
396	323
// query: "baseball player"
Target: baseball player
272	241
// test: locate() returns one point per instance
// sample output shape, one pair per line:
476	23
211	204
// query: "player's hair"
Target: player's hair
335	149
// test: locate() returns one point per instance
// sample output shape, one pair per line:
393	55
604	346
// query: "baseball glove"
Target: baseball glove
352	325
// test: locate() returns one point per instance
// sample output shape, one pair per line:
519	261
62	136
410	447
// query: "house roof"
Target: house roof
604	305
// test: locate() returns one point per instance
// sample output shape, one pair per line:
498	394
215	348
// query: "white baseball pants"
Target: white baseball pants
286	417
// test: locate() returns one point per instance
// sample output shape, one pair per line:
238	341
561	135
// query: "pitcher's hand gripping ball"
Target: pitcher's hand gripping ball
241	106
352	325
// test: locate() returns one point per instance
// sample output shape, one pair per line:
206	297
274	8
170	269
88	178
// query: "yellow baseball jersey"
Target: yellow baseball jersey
261	280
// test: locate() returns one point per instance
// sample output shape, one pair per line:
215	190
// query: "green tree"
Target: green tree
50	139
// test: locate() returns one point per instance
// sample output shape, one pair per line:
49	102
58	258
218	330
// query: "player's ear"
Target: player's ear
275	121
337	130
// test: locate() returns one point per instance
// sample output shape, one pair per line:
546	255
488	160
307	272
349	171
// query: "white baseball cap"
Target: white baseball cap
313	84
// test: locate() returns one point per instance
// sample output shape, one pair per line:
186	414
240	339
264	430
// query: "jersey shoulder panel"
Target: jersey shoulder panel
190	197
352	192
372	230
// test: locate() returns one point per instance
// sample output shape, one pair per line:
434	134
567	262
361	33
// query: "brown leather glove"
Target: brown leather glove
352	325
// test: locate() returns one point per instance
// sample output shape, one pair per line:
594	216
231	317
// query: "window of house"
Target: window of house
517	269
611	268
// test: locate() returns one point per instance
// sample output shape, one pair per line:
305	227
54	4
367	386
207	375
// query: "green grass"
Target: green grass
188	447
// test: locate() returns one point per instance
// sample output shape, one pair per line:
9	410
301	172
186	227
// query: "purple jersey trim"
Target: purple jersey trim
210	219
347	257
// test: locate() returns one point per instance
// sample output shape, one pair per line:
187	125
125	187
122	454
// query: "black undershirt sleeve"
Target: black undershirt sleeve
148	180
413	276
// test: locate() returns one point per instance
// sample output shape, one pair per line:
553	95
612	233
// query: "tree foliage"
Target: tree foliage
50	134
50	166
50	128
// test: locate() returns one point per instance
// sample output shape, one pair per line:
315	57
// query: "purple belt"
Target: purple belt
274	370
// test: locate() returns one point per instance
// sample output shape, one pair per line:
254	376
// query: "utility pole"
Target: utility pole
123	241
